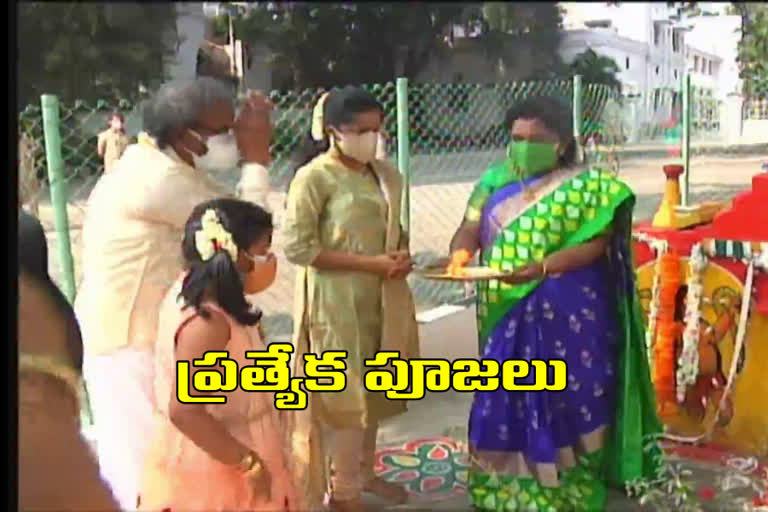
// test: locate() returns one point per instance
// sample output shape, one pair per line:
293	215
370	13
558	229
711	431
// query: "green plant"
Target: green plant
670	489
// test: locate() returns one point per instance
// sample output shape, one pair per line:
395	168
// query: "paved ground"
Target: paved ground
445	415
441	186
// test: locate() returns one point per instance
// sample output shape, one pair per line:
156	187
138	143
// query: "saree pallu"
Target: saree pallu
559	450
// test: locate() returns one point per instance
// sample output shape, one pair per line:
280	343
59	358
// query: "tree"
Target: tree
331	44
92	50
596	69
507	27
753	47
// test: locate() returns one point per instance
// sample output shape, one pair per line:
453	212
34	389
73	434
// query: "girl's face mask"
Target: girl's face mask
262	275
360	147
532	158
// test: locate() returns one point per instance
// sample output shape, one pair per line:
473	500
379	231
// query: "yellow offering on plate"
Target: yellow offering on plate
459	260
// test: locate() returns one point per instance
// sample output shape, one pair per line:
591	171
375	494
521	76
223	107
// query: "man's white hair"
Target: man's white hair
176	106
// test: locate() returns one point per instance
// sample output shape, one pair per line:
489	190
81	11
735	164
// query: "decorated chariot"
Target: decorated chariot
702	277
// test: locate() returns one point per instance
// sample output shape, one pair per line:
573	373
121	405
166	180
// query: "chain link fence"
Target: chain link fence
655	117
455	132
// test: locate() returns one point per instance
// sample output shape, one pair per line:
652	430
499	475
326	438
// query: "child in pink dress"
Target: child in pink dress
217	457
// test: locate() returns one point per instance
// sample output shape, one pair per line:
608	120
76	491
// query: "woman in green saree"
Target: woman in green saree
564	233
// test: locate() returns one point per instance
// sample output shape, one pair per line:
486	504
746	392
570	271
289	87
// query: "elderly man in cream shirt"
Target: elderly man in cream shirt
132	252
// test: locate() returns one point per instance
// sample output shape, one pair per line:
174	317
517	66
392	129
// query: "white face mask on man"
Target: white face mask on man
223	154
358	146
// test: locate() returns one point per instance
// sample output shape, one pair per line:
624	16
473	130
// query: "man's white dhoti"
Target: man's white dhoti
120	388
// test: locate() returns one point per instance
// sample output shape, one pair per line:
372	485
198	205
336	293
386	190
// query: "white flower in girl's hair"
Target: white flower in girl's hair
211	236
204	246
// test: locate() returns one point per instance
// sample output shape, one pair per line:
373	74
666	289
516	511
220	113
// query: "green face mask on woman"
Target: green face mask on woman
532	158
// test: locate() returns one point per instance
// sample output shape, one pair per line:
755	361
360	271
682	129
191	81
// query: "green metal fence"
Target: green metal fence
442	136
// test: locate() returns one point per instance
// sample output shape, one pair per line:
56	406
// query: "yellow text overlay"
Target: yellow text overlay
215	374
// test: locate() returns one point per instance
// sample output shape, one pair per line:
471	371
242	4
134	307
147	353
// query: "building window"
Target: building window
709	67
657	70
675	73
627	63
676	41
695	62
656	35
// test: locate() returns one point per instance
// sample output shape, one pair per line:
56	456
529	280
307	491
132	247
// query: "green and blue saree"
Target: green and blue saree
548	450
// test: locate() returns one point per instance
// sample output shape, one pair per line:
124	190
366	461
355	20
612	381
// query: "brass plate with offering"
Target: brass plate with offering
468	273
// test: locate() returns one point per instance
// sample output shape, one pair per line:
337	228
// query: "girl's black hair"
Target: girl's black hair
33	261
341	107
33	248
247	223
555	115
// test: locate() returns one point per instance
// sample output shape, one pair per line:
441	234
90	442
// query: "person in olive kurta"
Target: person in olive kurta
342	230
113	141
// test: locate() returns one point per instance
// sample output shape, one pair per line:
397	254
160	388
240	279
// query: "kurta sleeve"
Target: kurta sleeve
254	185
301	231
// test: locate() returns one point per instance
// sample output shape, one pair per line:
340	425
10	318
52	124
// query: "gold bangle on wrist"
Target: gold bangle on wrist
544	271
247	462
250	465
255	469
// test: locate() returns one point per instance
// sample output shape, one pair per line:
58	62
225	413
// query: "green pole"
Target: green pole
686	138
577	116
403	156
52	135
50	105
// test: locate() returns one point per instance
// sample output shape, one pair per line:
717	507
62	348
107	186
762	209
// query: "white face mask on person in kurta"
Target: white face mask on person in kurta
222	155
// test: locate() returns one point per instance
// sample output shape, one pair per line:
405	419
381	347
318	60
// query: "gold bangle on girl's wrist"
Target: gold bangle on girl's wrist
247	463
255	469
544	270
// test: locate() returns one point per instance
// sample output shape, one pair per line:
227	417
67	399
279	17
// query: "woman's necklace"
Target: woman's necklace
529	194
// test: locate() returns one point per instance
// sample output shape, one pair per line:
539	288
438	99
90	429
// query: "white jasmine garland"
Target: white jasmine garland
660	248
653	313
688	361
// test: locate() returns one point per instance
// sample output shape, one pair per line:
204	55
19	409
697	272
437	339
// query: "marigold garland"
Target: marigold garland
666	335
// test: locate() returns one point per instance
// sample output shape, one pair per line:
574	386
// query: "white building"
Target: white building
646	40
653	46
704	69
715	39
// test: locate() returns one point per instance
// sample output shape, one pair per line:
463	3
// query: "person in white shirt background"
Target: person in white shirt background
132	233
